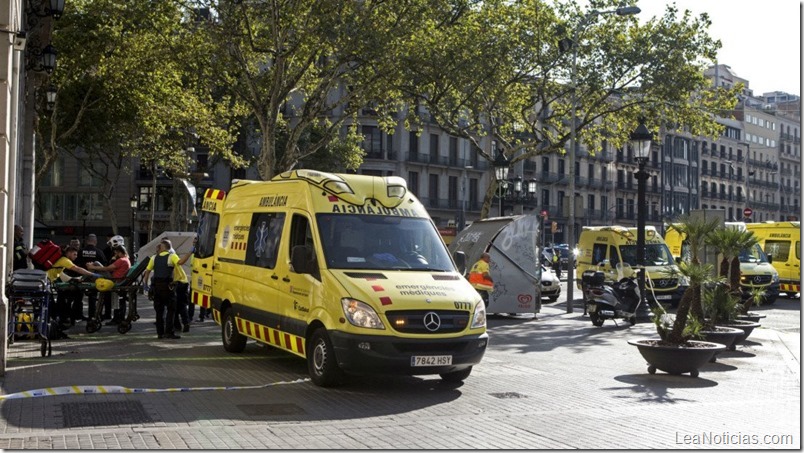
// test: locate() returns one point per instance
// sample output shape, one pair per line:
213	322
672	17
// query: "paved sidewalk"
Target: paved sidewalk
551	382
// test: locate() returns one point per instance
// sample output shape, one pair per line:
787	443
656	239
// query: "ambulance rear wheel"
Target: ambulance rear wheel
233	341
321	362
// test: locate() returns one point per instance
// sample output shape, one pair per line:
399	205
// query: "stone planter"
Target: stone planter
674	359
746	326
751	316
722	335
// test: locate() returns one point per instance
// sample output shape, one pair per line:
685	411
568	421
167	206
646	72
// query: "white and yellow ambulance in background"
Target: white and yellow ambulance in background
755	269
781	241
602	248
347	271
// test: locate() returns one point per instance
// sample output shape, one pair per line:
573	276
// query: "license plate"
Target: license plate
664	297
430	360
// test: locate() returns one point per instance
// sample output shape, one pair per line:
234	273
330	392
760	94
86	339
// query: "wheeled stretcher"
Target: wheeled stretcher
126	289
30	295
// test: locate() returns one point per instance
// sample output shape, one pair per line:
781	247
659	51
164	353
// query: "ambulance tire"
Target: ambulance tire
233	341
321	362
456	376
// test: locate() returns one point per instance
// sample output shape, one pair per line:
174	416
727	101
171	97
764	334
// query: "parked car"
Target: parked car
551	286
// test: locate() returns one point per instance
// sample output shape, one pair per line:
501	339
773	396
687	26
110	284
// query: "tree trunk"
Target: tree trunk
677	334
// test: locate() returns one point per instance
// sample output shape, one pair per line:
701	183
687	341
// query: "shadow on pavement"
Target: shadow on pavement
658	387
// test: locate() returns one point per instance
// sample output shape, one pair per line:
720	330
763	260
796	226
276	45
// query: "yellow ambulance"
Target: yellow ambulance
603	248
755	268
347	271
781	241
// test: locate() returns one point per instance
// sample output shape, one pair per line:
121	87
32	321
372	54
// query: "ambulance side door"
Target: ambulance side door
300	288
204	256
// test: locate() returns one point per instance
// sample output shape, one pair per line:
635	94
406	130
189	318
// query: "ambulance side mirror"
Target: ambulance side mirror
298	259
770	259
678	260
460	261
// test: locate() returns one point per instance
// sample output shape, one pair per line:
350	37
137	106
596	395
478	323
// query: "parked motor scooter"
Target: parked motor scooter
610	300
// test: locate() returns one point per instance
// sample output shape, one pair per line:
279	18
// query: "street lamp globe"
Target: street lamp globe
518	184
532	187
640	142
133	202
501	166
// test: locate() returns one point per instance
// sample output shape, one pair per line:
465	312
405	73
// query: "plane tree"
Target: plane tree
506	70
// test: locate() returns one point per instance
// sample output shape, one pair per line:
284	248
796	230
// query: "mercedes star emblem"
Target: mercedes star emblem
431	321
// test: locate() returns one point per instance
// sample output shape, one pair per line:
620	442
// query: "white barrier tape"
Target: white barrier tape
116	389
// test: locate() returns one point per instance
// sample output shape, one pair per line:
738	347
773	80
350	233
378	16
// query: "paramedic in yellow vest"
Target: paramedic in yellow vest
480	278
164	289
557	263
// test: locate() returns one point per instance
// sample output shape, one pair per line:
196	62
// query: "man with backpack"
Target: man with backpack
164	289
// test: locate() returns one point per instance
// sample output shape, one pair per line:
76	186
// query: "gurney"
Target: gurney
29	294
126	288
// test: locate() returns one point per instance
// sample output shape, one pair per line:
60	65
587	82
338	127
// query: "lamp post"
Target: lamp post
500	173
84	216
134	203
640	144
564	46
748	173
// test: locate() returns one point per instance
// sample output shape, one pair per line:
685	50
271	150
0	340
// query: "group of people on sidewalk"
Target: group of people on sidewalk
169	290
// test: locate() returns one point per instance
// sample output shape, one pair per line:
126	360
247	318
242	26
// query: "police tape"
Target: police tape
116	389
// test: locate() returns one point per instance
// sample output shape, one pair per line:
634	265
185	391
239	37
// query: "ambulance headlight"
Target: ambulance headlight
775	278
361	314
684	281
479	316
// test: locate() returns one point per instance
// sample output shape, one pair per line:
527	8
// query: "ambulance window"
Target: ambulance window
598	253
614	257
207	228
263	239
302	234
780	250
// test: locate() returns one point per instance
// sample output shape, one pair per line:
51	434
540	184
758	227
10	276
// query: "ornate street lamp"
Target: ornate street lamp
501	173
134	204
50	96
565	45
640	144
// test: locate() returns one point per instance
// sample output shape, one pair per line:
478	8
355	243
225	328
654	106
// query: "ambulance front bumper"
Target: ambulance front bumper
374	354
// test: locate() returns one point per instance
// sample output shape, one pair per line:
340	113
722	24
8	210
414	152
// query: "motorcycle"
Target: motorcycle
610	300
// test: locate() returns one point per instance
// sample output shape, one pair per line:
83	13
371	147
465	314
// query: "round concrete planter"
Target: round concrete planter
751	316
722	335
674	359
746	326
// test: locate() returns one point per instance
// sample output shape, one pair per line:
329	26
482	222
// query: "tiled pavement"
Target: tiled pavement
546	383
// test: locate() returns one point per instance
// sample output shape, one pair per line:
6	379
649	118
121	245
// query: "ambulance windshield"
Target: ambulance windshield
655	255
382	243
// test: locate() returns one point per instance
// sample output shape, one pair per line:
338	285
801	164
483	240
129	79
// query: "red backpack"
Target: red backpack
45	254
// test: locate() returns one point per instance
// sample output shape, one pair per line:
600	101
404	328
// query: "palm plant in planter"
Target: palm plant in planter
676	352
730	242
720	309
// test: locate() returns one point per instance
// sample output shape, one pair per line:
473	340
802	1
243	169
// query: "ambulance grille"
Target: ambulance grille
757	279
418	321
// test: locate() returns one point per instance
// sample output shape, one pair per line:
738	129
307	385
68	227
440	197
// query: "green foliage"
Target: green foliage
694	231
719	304
730	242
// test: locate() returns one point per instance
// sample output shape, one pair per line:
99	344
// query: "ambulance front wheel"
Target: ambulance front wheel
233	341
321	362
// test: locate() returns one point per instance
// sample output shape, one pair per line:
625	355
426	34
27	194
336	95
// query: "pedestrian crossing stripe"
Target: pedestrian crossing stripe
116	389
273	337
788	287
